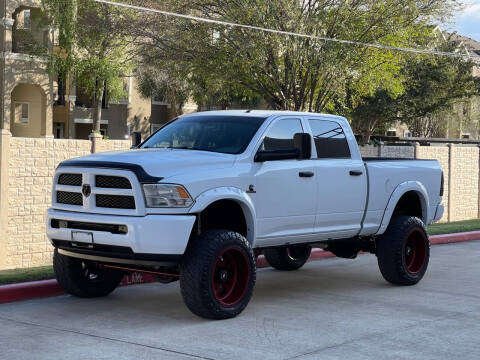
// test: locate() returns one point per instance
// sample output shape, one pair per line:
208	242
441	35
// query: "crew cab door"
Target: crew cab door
341	179
285	198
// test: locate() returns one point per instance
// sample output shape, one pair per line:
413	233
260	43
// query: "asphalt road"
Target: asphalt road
330	309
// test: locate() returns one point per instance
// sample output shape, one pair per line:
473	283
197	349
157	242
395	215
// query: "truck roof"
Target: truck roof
265	113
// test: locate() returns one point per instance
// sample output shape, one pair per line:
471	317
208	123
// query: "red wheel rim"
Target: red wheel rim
230	276
415	251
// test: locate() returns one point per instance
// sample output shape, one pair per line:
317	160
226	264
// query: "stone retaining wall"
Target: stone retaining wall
27	166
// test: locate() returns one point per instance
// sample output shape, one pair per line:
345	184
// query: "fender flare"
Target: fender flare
399	191
208	197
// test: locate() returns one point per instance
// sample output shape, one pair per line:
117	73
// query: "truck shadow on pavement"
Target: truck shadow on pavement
273	288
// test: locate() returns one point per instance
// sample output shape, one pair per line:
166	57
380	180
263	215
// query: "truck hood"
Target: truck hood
162	163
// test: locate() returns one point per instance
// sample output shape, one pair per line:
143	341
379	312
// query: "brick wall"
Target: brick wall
28	165
407	152
32	163
440	153
31	166
388	151
461	187
114	145
369	151
464	183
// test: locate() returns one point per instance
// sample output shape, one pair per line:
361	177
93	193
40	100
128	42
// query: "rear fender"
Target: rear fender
229	193
399	191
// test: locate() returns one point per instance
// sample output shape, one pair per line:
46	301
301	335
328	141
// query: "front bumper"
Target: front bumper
151	234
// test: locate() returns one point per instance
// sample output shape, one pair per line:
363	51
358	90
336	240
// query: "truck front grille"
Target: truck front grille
69	198
112	182
115	201
70	179
97	191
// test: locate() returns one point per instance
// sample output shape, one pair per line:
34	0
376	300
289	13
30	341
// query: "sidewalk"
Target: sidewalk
331	309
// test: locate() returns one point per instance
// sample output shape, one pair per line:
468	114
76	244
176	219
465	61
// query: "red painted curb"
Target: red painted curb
45	288
29	290
454	238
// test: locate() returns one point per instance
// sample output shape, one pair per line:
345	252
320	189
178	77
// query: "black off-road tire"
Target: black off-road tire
287	259
83	278
207	274
403	251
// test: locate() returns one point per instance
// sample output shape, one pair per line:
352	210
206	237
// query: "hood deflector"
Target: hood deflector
141	174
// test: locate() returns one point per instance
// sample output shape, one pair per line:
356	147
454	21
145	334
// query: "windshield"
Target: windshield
223	134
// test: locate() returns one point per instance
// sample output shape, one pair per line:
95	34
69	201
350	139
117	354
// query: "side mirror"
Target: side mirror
303	143
136	139
302	150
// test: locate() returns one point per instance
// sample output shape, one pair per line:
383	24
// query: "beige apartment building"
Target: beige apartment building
36	104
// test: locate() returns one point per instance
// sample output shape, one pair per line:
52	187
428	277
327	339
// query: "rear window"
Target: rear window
330	140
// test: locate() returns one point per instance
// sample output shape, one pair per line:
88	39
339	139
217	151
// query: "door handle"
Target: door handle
306	174
356	172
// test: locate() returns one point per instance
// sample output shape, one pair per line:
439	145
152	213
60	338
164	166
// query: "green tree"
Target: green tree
434	85
94	48
430	85
289	72
164	84
373	114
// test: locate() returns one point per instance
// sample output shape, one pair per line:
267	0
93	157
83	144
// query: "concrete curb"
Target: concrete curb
45	288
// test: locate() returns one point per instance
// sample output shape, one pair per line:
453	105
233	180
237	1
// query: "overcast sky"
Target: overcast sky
467	22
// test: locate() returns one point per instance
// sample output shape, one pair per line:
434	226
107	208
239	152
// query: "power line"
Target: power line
288	33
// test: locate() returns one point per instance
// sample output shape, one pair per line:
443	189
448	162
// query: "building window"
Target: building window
158	100
60	90
86	100
22	113
155	127
59	130
407	133
465	136
26	19
392	132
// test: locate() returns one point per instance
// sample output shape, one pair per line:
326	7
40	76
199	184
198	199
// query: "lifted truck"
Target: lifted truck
208	192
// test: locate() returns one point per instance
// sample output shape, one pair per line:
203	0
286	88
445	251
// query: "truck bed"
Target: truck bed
386	174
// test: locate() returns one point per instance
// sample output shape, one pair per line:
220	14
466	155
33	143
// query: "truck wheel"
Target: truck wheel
83	278
403	251
291	258
218	274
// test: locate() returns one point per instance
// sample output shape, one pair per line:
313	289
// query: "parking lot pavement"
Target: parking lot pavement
329	309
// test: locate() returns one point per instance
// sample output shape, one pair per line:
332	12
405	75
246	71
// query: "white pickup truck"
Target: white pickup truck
208	192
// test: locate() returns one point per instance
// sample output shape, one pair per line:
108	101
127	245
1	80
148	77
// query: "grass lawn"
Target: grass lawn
454	227
24	275
46	272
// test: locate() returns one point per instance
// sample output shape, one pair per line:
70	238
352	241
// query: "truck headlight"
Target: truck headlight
166	195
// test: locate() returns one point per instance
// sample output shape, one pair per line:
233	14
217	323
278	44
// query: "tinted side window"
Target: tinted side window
330	139
280	135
